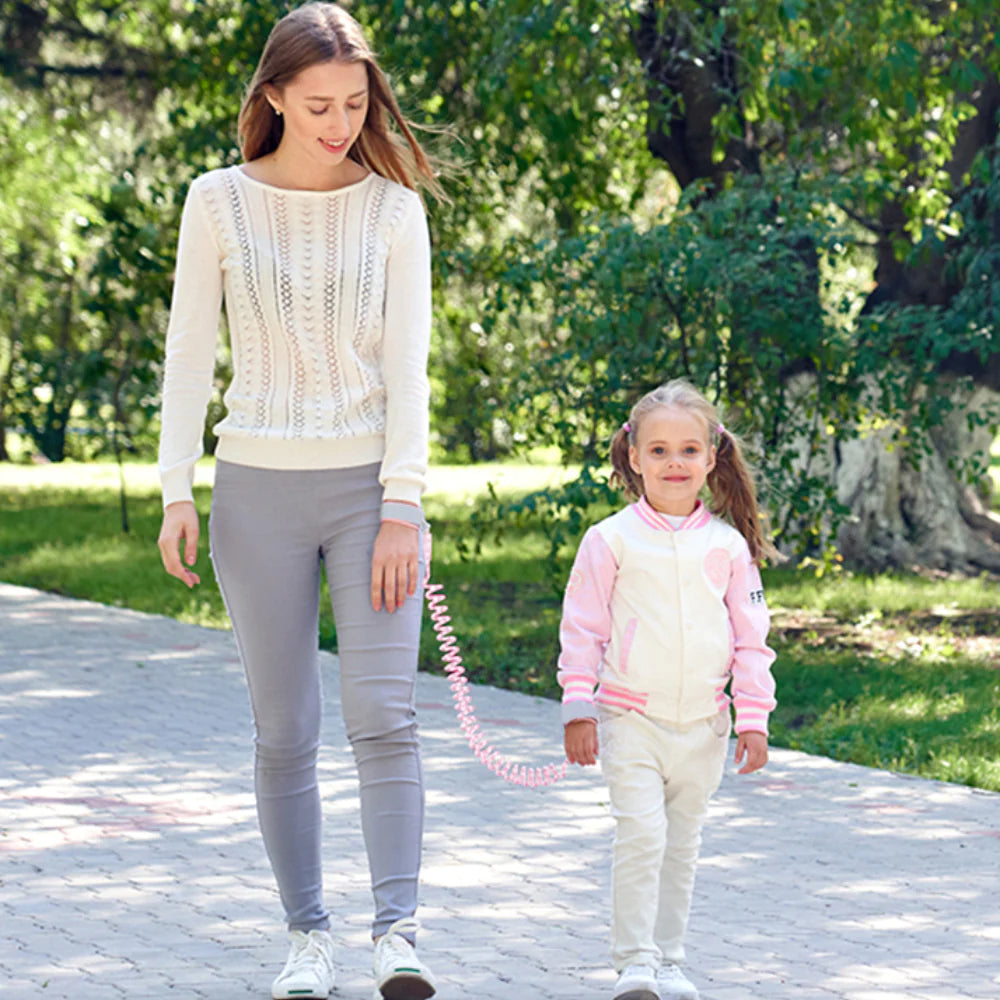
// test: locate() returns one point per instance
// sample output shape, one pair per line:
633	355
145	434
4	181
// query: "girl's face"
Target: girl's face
324	109
673	456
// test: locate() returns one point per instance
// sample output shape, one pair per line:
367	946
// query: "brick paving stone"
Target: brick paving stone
131	864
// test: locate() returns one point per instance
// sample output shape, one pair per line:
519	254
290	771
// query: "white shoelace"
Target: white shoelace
307	950
394	940
405	925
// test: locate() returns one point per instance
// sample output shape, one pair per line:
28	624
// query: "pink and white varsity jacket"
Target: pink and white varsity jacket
662	620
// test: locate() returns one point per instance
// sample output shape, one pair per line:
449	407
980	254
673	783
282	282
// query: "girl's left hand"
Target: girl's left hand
395	565
753	746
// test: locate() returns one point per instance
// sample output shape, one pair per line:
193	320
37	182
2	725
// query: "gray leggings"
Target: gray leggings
269	529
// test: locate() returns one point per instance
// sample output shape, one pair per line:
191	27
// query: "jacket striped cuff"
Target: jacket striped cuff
749	721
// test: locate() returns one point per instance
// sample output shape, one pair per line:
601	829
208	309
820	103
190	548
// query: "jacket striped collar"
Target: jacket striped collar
698	518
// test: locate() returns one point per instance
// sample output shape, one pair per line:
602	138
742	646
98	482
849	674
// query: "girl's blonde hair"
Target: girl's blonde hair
731	482
316	33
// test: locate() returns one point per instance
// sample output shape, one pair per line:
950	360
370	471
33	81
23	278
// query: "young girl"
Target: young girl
318	243
663	609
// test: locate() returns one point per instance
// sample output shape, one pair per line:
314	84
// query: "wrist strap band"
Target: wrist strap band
396	510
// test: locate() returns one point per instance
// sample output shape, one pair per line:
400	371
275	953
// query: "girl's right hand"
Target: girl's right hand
180	521
580	740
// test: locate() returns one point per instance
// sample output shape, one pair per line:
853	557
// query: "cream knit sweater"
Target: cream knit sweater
328	306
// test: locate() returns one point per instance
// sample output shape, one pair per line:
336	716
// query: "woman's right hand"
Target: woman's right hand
180	521
580	741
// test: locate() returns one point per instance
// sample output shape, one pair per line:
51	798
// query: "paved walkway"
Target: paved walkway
130	863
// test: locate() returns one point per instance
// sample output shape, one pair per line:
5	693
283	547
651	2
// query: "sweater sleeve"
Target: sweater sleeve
405	346
753	683
190	349
585	629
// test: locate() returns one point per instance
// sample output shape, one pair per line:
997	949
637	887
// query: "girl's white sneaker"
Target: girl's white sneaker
309	972
399	974
636	982
673	984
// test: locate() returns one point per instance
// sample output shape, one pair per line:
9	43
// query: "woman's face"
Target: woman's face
324	109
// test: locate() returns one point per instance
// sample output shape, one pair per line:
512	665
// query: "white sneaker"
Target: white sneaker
399	974
673	984
636	982
309	973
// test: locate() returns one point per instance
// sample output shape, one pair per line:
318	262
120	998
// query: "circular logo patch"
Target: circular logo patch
717	568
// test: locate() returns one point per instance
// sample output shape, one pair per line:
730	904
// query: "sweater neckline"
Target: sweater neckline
698	518
243	175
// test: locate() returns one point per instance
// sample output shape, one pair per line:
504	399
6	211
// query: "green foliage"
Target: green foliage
735	288
44	353
562	511
724	292
877	90
543	133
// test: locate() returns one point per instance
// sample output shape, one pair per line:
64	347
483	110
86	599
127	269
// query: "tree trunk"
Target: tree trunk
13	320
51	437
685	91
4	382
904	517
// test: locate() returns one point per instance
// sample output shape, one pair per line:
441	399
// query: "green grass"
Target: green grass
60	531
892	670
939	720
857	595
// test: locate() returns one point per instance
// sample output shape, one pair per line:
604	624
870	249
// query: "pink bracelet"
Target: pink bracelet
396	520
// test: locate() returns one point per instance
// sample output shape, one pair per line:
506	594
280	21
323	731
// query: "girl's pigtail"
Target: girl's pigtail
734	497
622	473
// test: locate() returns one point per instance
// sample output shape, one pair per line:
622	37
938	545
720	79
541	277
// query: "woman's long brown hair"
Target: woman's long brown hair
316	33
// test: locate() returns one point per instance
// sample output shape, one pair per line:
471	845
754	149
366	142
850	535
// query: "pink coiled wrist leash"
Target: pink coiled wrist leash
500	765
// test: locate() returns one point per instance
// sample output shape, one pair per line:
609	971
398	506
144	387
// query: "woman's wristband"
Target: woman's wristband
402	513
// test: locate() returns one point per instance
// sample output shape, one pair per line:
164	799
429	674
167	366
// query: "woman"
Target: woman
318	244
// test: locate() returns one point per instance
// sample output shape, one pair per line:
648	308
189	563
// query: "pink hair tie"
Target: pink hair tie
721	429
627	427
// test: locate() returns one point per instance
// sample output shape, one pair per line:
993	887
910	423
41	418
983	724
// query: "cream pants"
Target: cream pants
660	779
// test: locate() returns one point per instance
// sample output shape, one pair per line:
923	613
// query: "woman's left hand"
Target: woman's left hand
395	565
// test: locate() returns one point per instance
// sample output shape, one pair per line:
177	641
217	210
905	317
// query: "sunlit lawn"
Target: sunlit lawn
893	671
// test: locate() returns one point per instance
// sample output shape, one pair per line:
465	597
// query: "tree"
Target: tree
903	100
808	139
43	344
